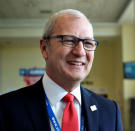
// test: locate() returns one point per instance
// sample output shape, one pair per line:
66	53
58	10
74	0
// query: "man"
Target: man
58	102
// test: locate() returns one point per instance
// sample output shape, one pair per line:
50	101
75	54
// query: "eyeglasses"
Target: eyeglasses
72	41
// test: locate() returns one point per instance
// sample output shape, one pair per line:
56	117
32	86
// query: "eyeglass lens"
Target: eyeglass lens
72	41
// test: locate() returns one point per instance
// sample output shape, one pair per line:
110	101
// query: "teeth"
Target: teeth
76	63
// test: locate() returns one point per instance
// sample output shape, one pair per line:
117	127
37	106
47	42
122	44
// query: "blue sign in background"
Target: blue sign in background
129	70
37	71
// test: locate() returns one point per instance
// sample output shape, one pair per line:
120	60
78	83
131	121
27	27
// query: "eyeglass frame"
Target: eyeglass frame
75	44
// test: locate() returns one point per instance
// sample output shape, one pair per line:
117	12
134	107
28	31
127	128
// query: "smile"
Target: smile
76	63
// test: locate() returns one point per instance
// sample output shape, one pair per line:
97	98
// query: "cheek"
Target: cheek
58	56
64	52
90	58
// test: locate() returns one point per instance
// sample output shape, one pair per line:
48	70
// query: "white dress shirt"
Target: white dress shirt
55	93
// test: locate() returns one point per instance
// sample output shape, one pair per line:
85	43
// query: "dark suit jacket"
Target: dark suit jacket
25	110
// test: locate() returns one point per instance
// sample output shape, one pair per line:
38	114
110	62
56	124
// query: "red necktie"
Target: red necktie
70	117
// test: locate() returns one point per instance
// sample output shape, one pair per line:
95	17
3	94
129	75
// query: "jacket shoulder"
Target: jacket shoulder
25	92
100	100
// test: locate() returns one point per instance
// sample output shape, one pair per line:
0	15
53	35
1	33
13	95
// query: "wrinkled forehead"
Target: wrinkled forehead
70	23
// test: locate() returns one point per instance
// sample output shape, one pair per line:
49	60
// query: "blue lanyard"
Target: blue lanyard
54	119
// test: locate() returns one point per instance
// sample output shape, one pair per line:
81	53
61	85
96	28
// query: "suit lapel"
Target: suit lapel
90	110
36	107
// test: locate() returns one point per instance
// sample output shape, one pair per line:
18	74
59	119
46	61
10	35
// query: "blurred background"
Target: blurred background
113	72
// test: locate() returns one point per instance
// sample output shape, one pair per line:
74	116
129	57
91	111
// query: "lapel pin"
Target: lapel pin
93	108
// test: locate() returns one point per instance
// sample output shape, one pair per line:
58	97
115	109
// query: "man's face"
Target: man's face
67	64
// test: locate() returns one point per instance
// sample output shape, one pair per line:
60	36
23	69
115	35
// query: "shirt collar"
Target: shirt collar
55	93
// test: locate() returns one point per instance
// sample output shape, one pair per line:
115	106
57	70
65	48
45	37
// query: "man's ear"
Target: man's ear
43	47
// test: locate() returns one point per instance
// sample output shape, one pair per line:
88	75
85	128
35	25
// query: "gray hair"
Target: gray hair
52	20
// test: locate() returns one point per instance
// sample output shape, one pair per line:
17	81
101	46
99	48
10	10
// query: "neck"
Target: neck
69	88
68	85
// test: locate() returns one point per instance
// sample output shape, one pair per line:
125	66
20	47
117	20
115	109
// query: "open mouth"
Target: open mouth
76	63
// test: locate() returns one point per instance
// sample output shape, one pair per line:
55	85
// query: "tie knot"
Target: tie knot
68	98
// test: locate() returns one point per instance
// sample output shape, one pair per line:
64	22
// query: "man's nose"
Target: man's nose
79	50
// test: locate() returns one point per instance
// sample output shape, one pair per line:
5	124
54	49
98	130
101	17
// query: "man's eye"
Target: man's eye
89	44
68	40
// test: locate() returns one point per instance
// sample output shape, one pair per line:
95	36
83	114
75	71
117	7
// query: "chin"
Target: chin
76	75
77	78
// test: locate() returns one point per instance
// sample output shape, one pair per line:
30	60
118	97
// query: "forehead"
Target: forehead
69	24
